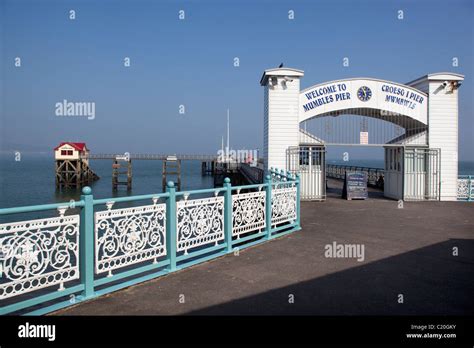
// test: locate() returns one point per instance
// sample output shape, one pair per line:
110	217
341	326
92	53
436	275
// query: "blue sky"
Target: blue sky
190	62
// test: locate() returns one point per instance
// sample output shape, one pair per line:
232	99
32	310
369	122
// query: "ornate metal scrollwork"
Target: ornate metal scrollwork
463	189
248	212
283	204
199	222
128	236
37	254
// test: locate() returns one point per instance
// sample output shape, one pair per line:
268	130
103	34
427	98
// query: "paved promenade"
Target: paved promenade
407	251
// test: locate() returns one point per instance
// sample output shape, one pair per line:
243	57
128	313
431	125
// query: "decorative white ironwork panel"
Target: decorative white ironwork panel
36	254
129	235
283	205
199	222
463	188
248	212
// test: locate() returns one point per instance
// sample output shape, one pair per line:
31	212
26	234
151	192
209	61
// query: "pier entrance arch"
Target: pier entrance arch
416	123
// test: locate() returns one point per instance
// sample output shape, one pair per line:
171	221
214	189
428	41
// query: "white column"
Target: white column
281	119
442	89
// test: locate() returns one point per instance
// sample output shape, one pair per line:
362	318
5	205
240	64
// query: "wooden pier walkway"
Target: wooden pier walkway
150	156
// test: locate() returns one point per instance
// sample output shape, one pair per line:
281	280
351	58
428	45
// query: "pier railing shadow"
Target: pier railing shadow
431	280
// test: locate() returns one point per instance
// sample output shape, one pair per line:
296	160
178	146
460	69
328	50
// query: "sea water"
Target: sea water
31	180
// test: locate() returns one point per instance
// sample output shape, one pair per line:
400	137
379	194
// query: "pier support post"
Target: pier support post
228	214
298	202
268	205
86	243
115	167
171	225
171	166
116	172
129	175
77	170
57	174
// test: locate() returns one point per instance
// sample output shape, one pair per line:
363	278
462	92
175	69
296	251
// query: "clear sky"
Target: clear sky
190	62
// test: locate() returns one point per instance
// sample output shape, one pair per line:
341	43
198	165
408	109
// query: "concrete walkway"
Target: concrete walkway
407	251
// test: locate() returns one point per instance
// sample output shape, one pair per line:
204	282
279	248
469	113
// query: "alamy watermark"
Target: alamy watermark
238	156
37	331
336	250
73	109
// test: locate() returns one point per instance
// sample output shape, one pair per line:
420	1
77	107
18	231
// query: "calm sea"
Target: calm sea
31	180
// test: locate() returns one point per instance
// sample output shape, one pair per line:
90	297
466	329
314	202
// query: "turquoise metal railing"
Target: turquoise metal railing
465	188
51	263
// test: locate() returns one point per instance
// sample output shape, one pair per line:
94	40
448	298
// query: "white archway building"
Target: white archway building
422	163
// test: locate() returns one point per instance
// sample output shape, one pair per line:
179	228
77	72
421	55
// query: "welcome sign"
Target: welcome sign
390	98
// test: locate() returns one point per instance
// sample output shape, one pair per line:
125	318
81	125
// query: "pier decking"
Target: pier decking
150	156
407	251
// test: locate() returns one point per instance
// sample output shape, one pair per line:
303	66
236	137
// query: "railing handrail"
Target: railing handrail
357	167
282	174
41	207
130	198
84	233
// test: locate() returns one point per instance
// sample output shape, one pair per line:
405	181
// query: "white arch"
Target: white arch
402	104
382	99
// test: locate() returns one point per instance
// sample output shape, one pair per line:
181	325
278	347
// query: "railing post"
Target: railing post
171	232
228	214
469	188
268	205
298	203
86	243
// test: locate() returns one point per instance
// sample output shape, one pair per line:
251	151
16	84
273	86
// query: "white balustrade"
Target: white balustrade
284	204
248	213
199	222
128	236
36	254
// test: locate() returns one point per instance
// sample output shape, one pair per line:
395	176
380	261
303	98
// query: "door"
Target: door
421	174
309	161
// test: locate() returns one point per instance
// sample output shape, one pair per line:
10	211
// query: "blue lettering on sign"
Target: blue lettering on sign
319	96
337	92
401	96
